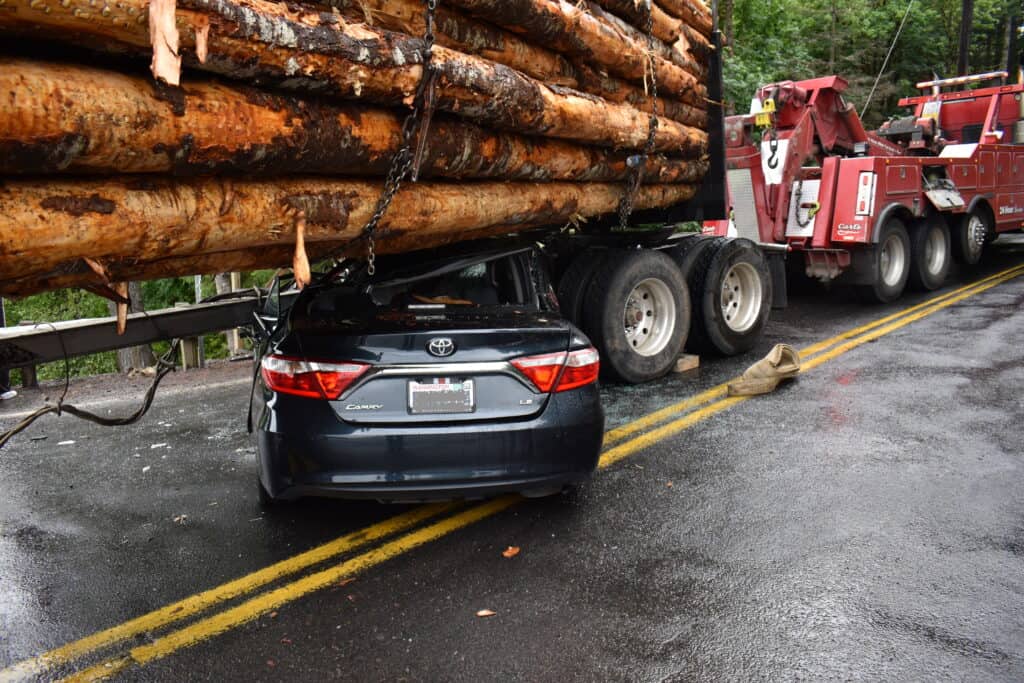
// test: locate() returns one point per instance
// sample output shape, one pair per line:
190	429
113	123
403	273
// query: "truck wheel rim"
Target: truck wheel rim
742	297
975	236
893	260
935	252
649	317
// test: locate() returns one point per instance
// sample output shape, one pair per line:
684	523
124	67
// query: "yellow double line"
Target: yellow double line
619	443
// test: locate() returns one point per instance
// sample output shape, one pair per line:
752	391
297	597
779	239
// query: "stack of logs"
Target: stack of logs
262	124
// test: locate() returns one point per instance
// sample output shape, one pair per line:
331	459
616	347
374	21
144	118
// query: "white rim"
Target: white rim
649	317
742	297
975	236
893	260
935	252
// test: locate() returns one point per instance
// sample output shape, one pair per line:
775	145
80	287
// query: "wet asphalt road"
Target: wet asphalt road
864	522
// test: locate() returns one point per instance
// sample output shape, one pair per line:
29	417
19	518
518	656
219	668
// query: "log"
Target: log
78	275
250	39
694	12
45	225
457	31
58	117
664	26
571	30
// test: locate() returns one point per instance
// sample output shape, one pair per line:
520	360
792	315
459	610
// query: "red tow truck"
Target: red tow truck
877	209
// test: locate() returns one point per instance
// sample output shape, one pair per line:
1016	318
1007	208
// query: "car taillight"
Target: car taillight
309	378
580	368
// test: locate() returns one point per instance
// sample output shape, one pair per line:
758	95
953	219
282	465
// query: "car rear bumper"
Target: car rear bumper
304	449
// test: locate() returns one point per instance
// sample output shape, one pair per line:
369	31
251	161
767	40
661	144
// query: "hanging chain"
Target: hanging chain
402	163
638	162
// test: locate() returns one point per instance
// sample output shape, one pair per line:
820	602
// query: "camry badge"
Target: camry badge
441	347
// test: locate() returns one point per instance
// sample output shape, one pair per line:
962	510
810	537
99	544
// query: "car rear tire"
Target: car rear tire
931	255
572	287
970	236
731	290
637	314
891	267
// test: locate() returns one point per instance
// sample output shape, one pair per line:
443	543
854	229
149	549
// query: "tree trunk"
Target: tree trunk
254	38
56	117
48	227
725	12
133	357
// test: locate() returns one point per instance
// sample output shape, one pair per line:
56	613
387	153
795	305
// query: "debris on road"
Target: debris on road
510	551
181	519
483	613
781	363
65	443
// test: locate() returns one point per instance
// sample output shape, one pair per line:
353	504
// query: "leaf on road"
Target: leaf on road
286	641
486	613
346	581
510	551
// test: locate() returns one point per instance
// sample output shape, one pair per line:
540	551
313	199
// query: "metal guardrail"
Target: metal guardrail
26	345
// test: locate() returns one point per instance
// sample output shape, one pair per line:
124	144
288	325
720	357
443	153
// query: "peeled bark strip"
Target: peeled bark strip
569	29
57	117
309	50
48	225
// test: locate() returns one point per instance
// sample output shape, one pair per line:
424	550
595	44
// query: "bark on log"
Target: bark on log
573	31
58	117
46	225
694	12
679	51
255	39
457	31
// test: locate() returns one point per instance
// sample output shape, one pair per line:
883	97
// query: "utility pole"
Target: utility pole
966	19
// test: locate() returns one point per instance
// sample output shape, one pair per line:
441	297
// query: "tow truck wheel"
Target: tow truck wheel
970	236
638	314
931	255
731	289
572	287
892	264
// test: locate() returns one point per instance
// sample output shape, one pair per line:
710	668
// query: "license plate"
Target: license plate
441	396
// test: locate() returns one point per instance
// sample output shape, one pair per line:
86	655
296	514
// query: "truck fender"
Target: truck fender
894	209
983	201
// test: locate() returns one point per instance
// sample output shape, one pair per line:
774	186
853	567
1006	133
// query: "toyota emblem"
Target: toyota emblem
441	347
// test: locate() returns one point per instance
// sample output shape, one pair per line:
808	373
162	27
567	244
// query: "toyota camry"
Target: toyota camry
450	378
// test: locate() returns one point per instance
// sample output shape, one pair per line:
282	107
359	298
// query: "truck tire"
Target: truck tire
572	287
970	235
637	314
731	290
688	250
891	267
931	255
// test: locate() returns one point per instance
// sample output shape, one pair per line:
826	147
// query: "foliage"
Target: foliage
776	40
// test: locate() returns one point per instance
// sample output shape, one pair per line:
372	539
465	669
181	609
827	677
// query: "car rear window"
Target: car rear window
501	282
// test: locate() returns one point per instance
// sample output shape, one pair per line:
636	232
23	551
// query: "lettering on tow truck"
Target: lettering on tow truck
1007	210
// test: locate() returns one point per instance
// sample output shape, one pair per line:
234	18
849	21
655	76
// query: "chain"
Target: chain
638	162
402	163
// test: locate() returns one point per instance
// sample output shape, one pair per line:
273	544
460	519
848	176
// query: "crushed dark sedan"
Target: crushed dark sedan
436	379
